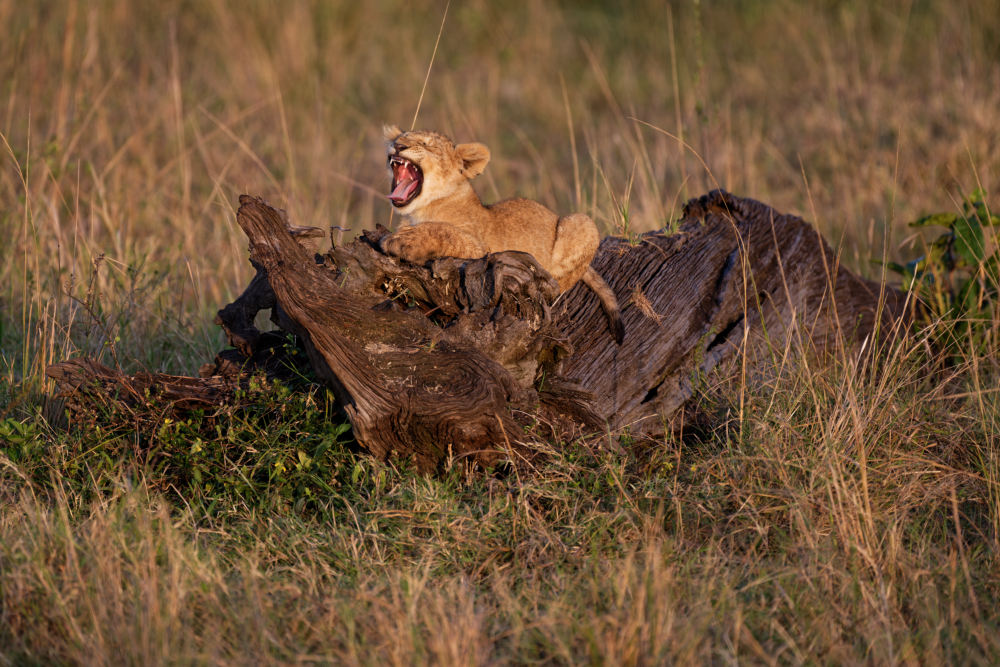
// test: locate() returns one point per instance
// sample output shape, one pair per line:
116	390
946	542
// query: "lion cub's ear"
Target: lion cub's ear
474	158
390	132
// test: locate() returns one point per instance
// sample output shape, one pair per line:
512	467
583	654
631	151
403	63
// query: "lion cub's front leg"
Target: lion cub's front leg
428	240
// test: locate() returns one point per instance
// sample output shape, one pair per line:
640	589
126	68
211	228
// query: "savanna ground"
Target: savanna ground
839	512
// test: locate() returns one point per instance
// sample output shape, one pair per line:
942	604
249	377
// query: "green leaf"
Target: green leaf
977	195
896	267
969	241
968	302
935	219
939	254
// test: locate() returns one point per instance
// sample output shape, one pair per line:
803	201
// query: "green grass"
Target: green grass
844	512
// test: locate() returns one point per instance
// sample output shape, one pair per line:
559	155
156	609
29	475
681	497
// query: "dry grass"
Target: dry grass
848	513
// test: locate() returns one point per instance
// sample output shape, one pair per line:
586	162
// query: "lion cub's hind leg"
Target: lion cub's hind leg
428	240
576	242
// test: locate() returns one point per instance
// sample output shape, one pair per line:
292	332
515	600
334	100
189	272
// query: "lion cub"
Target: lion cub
430	186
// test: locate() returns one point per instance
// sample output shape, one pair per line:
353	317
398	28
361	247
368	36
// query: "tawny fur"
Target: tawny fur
449	220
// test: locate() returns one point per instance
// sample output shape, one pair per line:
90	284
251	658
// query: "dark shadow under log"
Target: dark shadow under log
450	360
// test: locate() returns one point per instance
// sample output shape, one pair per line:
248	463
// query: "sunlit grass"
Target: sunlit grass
851	513
844	511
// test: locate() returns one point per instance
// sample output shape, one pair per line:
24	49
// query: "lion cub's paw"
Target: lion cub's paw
406	246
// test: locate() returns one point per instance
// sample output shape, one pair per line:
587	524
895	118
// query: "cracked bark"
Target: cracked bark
735	271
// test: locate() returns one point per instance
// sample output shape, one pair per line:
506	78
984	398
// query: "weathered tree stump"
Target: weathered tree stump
451	360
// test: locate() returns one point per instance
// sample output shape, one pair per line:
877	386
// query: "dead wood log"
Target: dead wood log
735	282
448	361
94	392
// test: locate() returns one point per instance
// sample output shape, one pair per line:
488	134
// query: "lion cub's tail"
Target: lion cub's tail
609	302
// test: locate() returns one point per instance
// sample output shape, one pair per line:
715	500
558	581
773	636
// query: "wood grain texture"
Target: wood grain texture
736	278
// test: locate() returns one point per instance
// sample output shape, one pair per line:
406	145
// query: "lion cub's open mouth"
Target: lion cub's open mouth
406	180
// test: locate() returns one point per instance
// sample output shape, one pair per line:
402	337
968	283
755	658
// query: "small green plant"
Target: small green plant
957	279
22	439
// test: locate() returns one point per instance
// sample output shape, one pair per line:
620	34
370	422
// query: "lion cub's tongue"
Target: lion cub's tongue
406	184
